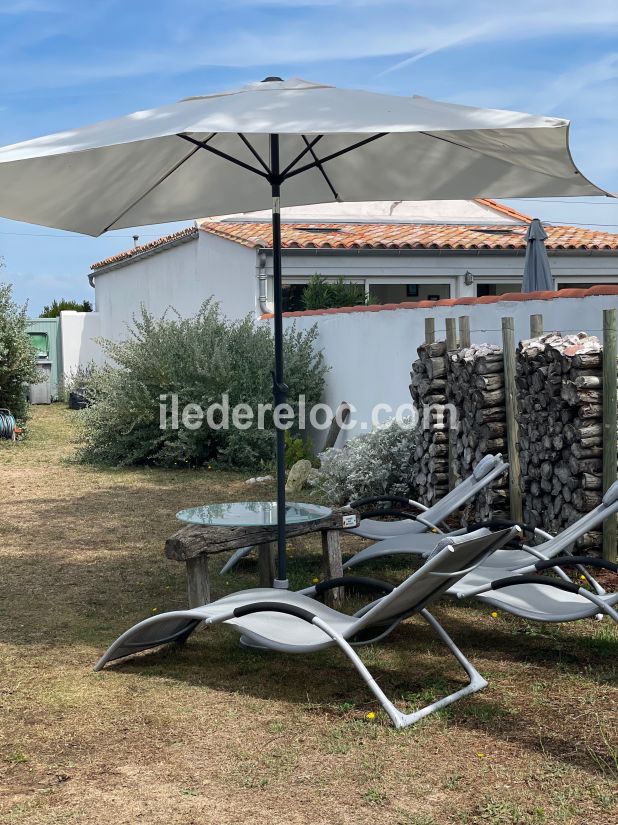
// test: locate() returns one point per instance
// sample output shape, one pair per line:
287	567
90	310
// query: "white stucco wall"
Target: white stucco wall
370	353
180	278
78	334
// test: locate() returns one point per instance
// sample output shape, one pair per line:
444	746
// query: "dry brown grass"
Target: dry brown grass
212	733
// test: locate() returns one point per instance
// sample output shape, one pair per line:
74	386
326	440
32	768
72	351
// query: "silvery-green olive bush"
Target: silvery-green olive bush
379	462
198	359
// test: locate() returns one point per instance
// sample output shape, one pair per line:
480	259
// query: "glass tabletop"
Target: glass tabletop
251	513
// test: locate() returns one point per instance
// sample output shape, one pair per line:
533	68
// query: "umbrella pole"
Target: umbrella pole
280	389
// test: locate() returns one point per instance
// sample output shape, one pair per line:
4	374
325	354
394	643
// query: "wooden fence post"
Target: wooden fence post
451	334
609	425
464	331
512	429
430	330
536	326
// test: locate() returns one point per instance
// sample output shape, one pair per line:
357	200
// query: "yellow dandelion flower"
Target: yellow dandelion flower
481	755
494	615
371	715
314	581
583	578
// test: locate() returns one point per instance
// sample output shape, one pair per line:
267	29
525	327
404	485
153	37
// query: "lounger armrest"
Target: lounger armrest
274	607
583	561
512	581
358	582
409	502
500	524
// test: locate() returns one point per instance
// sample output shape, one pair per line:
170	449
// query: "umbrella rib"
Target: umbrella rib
477	151
336	154
202	145
158	182
308	147
254	152
321	168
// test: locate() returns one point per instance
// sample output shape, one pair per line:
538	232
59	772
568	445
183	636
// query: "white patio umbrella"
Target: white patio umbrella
287	143
537	271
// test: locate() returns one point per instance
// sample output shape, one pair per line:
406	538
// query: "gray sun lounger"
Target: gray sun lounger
551	546
429	519
488	468
295	623
541	598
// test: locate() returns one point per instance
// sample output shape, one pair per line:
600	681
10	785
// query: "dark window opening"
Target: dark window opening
496	289
293	297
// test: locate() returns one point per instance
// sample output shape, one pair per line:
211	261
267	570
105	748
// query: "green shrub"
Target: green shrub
322	294
54	309
17	356
298	448
199	360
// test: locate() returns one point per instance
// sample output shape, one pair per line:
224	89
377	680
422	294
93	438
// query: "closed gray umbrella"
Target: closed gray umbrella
537	271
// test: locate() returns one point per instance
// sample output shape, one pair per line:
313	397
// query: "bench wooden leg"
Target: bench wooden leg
332	564
198	584
266	563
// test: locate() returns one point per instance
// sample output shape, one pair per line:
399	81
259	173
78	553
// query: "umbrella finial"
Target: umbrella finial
272	79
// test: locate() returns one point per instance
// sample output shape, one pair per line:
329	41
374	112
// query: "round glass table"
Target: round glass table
251	514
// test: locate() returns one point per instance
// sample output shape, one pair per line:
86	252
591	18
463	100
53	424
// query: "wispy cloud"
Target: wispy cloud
528	21
265	35
580	80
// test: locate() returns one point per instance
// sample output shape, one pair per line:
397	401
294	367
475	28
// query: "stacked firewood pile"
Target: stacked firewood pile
560	402
475	388
428	390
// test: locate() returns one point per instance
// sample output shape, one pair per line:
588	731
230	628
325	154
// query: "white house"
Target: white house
400	251
440	259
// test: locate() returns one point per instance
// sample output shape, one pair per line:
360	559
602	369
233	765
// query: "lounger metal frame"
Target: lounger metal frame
411	597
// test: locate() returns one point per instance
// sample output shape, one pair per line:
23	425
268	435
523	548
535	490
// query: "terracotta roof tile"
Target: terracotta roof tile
406	236
383	236
506	210
139	250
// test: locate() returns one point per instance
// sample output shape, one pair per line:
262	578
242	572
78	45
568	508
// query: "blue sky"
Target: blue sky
65	63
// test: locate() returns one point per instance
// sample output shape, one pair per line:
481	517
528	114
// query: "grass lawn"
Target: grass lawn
211	733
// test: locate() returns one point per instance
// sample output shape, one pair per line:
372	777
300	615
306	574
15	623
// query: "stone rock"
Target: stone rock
298	477
259	480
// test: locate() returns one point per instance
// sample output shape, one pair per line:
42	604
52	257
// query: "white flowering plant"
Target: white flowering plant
377	463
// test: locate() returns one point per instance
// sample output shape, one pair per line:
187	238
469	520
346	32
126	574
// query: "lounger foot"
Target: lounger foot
403	720
399	719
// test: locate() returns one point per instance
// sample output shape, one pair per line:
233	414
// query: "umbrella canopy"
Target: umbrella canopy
537	271
281	143
172	163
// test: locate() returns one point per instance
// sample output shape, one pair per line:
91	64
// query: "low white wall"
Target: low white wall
78	331
370	352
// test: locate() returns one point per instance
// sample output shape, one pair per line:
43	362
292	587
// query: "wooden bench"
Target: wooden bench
194	544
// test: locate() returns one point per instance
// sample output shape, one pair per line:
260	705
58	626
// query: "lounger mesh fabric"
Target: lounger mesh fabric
295	623
488	468
504	559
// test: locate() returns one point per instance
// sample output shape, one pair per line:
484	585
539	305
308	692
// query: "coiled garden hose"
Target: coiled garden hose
7	424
